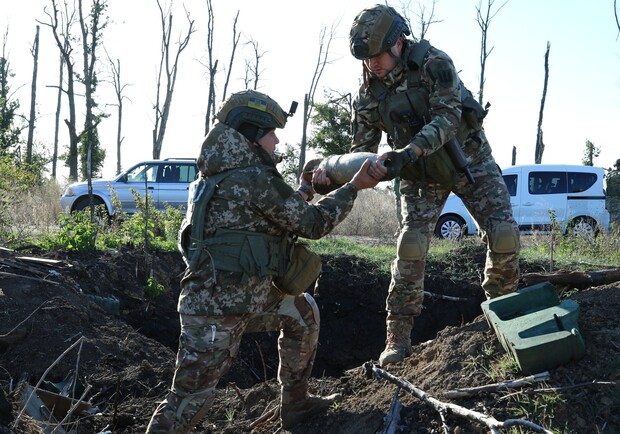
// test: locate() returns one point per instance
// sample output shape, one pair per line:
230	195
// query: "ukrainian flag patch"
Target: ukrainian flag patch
258	104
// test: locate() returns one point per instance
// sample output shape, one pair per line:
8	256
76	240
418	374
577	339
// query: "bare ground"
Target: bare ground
127	353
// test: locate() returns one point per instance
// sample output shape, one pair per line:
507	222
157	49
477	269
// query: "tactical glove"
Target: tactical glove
397	160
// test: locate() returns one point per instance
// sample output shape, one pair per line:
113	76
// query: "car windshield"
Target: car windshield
142	173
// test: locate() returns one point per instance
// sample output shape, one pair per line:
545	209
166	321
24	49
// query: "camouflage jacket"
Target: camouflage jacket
613	183
440	89
254	198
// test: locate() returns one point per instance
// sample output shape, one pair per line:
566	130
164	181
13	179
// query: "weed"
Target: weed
153	288
230	414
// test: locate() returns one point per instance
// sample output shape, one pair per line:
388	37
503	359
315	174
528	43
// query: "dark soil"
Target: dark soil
129	340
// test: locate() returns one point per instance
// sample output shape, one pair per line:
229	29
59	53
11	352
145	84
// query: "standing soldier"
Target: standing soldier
412	92
612	202
235	249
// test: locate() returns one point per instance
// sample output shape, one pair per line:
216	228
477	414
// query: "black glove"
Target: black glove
397	160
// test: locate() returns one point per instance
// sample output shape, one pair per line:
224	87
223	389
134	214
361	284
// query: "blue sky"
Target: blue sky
583	97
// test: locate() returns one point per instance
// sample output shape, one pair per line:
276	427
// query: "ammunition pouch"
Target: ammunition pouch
303	269
437	167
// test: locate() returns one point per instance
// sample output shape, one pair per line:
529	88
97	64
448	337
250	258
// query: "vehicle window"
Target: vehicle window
142	173
579	181
511	183
170	173
547	182
188	173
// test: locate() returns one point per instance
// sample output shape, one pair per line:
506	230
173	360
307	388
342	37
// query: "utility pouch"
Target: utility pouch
303	269
473	112
437	167
190	238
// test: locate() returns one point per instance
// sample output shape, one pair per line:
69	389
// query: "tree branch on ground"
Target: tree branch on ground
444	407
496	387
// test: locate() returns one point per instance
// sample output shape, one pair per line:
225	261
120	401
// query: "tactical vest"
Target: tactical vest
250	253
405	113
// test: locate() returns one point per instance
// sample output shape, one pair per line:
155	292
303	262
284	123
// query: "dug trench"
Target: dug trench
351	297
127	357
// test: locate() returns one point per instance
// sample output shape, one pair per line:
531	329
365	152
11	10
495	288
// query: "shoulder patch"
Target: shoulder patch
443	72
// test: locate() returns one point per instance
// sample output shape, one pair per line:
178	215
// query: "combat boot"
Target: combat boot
398	342
294	412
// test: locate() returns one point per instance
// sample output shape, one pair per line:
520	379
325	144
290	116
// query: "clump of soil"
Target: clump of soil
128	345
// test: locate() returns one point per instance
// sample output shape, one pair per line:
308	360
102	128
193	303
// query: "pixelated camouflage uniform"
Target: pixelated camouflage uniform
423	198
216	307
612	202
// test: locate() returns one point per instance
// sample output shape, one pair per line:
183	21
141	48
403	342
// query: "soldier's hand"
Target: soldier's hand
395	161
363	179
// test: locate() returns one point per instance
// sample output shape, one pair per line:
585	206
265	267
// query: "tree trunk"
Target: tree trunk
33	97
540	146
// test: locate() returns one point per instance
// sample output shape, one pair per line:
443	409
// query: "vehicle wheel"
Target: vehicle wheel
450	227
101	211
584	227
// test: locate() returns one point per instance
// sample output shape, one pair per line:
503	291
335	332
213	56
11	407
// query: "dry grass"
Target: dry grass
373	215
34	212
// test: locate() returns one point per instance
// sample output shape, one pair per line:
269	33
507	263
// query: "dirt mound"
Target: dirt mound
128	343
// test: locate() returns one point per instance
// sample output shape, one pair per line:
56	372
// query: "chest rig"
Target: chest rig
403	115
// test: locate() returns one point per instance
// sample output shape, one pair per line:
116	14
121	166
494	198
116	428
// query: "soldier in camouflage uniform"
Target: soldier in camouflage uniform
612	202
216	305
412	92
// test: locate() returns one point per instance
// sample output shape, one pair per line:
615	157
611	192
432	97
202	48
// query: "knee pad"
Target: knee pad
411	246
503	238
315	308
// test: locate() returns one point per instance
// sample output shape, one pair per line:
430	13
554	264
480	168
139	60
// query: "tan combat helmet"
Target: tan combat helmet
254	108
375	30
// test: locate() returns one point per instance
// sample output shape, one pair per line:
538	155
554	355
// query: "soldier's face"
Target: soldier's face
381	64
269	141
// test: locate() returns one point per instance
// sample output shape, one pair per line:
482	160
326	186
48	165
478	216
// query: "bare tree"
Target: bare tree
115	67
253	68
540	146
61	71
91	35
514	155
325	40
61	24
168	69
235	43
616	15
424	16
484	21
211	66
33	96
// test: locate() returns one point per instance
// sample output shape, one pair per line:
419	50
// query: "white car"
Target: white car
167	182
574	195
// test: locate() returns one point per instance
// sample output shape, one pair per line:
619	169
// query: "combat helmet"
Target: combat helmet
252	113
376	30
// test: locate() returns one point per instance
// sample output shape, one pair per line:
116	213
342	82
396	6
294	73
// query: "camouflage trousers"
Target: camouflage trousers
489	203
208	344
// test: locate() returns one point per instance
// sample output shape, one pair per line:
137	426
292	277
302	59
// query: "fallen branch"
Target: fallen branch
575	279
444	297
441	407
64	353
392	419
4	337
471	391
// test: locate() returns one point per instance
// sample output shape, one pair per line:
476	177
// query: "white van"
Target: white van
574	194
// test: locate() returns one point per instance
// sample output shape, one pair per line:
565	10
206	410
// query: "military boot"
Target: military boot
294	412
398	341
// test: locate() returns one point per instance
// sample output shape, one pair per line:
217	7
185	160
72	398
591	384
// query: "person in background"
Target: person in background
234	249
412	92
